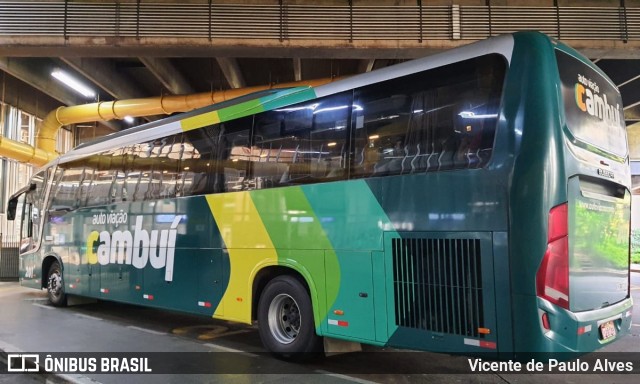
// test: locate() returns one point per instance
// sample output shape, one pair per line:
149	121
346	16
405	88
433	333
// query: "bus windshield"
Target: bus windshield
593	107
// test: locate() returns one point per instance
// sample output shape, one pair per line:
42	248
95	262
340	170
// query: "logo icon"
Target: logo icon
23	362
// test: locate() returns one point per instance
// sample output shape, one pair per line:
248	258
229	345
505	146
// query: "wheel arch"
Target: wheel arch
46	264
268	273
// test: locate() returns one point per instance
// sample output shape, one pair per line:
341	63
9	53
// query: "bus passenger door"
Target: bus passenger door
27	206
63	239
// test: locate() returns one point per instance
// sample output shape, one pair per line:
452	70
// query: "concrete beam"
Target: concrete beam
231	71
637	77
366	65
103	74
168	75
28	73
297	69
123	46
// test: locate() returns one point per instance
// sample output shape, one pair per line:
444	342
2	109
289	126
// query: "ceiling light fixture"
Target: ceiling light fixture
73	83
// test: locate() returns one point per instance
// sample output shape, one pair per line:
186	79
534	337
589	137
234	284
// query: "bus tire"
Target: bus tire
285	320
55	286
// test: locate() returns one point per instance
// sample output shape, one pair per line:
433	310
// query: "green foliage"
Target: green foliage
635	246
602	235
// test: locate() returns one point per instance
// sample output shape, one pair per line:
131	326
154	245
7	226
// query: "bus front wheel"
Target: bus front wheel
55	286
285	320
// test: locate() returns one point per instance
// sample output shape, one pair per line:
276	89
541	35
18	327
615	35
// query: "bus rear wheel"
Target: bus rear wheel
285	320
55	286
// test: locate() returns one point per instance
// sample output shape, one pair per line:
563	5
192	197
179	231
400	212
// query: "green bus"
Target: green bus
472	201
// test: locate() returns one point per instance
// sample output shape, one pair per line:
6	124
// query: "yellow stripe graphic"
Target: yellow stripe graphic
249	246
200	121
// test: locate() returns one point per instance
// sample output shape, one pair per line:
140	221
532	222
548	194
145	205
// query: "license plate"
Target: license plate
607	330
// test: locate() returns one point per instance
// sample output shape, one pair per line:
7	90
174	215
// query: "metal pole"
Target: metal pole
350	21
138	20
281	20
66	6
117	19
555	4
210	19
420	10
489	8
625	25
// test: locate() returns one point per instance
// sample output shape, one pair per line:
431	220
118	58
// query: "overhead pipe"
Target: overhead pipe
46	137
24	153
44	151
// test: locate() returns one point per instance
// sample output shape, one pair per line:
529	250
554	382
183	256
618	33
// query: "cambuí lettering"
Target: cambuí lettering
138	249
588	100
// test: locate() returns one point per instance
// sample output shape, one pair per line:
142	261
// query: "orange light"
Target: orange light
484	331
583	330
338	312
239	299
545	321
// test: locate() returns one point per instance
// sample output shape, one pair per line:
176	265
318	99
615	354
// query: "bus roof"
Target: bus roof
277	98
180	116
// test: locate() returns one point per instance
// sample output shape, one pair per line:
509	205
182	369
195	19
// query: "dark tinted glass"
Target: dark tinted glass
301	144
435	120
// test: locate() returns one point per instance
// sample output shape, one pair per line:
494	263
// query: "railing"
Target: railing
9	262
287	21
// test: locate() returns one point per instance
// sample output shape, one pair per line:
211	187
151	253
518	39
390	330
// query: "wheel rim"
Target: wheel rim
284	318
55	284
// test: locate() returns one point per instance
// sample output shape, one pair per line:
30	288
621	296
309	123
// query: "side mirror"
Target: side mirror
11	207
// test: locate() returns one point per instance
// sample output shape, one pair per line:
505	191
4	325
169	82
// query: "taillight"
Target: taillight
552	279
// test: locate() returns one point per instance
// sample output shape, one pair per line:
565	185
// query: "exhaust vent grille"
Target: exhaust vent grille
438	285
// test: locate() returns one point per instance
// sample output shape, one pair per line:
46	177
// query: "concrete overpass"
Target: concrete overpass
133	48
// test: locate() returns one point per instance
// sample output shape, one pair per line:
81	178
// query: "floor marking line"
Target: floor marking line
43	306
151	331
88	316
345	377
227	349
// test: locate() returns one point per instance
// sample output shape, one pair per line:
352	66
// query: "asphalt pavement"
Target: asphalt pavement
29	324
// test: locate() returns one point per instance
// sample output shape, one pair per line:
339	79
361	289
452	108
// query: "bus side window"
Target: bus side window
302	143
202	164
188	156
236	154
379	130
26	226
437	120
64	196
142	165
169	167
86	183
156	168
115	164
33	210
